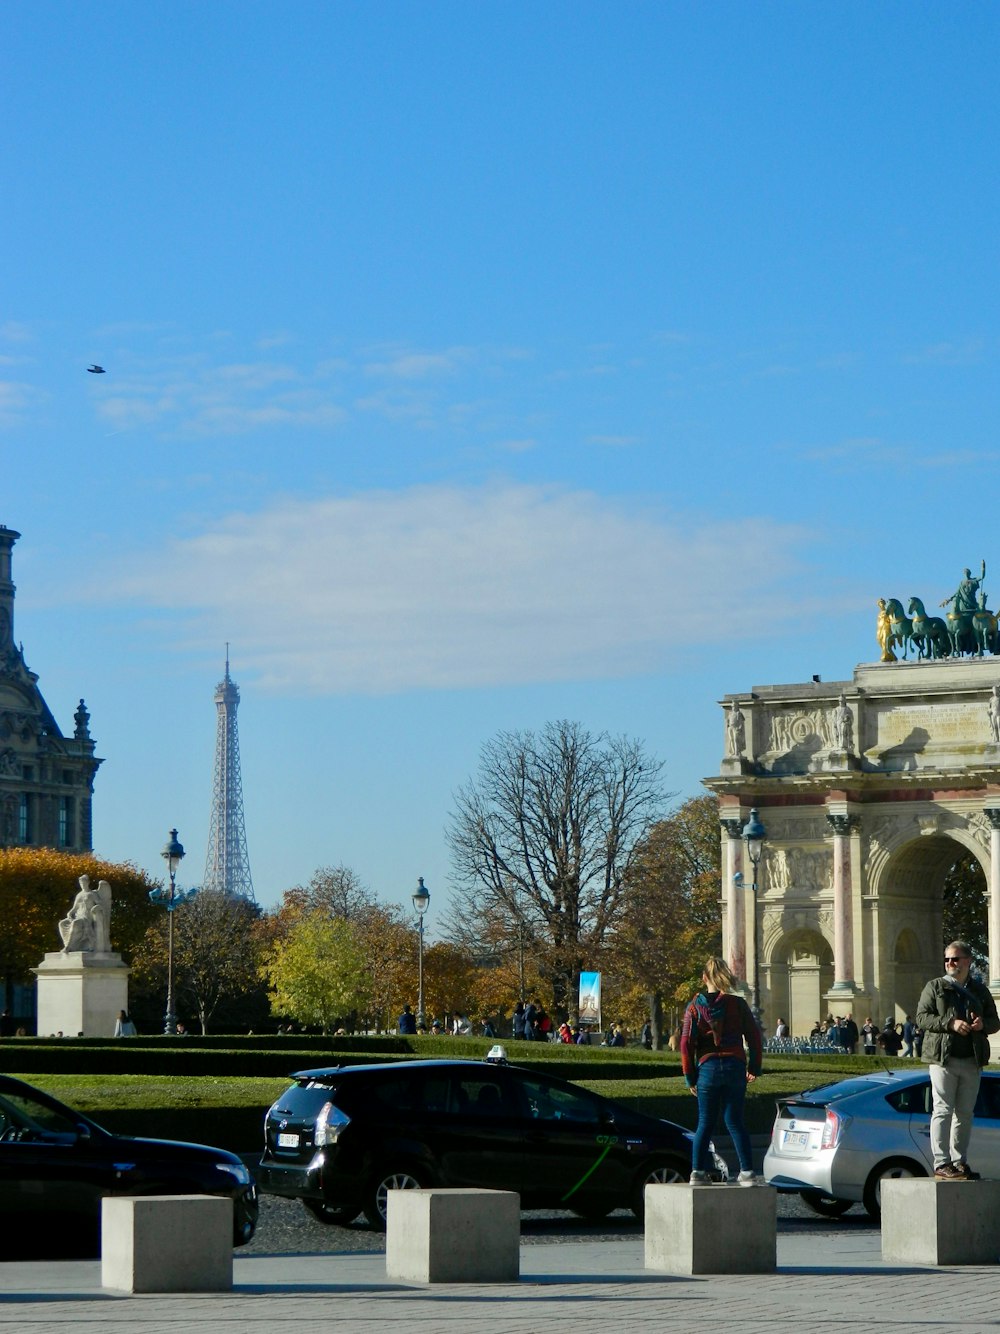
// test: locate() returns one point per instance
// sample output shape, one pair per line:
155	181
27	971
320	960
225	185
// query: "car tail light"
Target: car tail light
329	1123
833	1128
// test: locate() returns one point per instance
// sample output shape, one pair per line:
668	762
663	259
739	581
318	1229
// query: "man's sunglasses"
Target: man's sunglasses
955	958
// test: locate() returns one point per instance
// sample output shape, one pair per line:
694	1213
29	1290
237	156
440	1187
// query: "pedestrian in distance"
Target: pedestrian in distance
406	1024
869	1036
124	1027
888	1041
957	1015
909	1028
720	1055
849	1035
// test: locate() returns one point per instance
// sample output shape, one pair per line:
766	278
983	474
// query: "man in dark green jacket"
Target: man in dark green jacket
956	1013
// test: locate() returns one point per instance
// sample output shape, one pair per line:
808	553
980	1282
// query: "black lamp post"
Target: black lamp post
421	902
170	899
754	835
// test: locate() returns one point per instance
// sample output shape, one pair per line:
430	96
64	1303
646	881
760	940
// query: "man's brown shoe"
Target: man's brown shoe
966	1172
948	1172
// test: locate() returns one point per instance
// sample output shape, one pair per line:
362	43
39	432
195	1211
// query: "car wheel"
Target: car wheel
894	1168
332	1213
827	1205
666	1172
400	1178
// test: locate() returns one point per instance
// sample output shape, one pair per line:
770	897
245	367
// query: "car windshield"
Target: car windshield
24	1116
844	1088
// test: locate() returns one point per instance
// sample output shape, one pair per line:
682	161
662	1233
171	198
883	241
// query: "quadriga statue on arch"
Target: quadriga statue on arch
969	627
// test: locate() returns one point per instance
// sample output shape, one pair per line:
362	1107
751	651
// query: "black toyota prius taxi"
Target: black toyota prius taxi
339	1139
56	1166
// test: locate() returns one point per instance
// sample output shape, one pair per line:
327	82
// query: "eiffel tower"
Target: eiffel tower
227	866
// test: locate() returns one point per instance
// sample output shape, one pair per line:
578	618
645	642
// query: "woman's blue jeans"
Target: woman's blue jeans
722	1086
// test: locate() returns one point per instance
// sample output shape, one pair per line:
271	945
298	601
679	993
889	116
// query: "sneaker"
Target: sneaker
948	1172
748	1179
966	1172
699	1179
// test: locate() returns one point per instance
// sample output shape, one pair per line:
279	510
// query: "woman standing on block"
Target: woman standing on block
714	1061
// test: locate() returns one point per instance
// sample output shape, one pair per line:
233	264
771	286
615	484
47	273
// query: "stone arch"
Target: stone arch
909	887
863	821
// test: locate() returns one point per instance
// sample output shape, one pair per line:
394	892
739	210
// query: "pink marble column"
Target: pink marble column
843	912
992	813
736	892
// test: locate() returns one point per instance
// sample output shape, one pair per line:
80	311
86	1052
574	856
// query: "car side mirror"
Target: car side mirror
607	1118
82	1133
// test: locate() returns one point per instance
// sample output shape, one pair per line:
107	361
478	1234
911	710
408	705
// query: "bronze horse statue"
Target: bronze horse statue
900	626
929	633
984	628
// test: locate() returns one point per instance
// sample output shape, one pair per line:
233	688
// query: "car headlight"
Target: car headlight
239	1171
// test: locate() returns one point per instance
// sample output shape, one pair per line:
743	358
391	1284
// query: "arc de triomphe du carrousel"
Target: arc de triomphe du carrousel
869	790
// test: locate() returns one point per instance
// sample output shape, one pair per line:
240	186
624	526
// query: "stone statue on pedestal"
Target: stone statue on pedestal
87	928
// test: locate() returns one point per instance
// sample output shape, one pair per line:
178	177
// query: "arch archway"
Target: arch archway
798	972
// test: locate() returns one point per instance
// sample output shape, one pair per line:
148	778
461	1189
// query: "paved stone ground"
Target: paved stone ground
572	1286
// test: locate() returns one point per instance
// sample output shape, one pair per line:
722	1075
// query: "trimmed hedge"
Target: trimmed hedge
281	1057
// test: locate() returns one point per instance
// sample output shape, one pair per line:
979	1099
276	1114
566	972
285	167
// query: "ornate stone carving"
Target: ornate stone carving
803	826
841	824
735	731
979	826
734	828
992	814
842	725
787	730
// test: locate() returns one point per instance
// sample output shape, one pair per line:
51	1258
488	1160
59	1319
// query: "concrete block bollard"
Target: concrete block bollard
928	1222
167	1243
453	1236
712	1229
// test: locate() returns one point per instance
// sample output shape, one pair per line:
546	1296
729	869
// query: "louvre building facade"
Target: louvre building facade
46	778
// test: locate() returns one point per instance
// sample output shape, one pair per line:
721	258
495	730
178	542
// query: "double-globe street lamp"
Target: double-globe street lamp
754	835
170	899
421	902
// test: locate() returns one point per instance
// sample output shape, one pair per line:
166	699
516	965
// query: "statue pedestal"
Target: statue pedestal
81	992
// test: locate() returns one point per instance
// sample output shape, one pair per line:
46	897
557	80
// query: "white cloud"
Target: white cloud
443	587
13	331
17	398
419	365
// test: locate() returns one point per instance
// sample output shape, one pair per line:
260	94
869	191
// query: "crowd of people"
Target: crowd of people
891	1039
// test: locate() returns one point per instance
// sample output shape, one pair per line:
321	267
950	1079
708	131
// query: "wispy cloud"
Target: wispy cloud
968	353
443	587
874	452
613	441
17	399
13	331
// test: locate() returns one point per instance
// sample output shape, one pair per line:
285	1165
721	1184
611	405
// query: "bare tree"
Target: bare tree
546	832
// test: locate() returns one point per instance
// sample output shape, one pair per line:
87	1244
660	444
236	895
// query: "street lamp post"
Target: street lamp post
754	835
170	899
421	902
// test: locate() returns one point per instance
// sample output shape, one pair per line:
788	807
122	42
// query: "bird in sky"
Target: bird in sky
96	370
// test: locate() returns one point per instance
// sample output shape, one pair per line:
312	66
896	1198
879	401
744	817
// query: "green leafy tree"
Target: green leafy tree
389	975
317	971
964	908
217	954
548	828
669	922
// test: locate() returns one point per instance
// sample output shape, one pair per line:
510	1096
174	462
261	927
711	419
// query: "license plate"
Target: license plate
795	1139
286	1141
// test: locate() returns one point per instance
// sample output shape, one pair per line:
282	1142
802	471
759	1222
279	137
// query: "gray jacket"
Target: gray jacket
940	1003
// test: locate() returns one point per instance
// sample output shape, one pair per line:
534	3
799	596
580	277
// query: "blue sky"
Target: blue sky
472	366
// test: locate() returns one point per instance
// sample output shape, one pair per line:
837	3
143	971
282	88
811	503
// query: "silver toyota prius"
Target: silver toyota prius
836	1144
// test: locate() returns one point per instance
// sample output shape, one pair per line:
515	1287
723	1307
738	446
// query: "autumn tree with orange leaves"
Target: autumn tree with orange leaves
37	887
